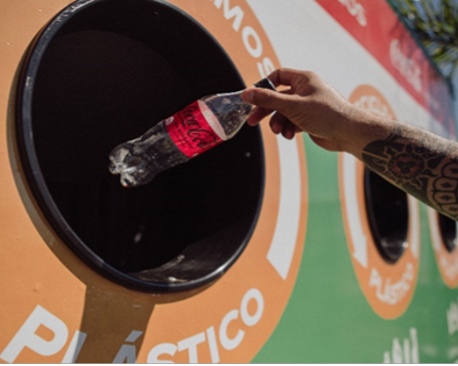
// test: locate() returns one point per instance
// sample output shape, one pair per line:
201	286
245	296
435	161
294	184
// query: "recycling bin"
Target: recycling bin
388	216
103	72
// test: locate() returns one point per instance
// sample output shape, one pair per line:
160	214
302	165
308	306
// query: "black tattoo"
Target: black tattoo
444	190
420	163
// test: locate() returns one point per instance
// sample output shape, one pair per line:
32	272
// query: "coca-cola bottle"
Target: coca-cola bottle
188	133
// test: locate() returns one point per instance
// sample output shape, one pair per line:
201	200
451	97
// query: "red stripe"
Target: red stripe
375	25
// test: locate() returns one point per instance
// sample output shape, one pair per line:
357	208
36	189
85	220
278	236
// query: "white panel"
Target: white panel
306	37
281	250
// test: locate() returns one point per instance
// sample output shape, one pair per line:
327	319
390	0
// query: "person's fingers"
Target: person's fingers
289	131
300	82
285	76
257	115
268	99
280	124
277	123
281	76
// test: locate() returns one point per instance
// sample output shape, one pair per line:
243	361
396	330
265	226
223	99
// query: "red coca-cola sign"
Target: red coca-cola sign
190	130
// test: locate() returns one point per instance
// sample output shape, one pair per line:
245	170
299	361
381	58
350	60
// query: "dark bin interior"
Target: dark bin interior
105	73
447	228
388	216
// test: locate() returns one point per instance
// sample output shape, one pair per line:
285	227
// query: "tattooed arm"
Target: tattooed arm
420	163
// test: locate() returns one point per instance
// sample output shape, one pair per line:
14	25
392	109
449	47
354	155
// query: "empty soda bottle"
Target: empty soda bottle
188	133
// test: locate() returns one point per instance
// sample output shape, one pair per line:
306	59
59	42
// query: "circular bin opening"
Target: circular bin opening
387	211
448	231
104	72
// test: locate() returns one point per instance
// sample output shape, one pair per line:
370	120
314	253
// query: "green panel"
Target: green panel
328	319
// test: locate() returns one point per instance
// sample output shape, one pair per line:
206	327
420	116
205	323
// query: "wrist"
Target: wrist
361	128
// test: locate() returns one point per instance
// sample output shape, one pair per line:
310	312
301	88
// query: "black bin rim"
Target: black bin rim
24	85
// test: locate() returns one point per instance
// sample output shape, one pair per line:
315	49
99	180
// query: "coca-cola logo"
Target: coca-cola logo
203	138
406	65
201	135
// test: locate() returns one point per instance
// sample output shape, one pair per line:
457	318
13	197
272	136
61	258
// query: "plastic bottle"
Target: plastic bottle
188	133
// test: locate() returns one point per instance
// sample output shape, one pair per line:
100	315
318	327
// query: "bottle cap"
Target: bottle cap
266	84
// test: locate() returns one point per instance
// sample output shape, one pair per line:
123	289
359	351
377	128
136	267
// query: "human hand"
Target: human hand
308	105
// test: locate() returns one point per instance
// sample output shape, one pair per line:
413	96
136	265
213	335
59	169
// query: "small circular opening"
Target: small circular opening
104	72
387	211
448	231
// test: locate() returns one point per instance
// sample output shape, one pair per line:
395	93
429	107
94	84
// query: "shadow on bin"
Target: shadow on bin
103	72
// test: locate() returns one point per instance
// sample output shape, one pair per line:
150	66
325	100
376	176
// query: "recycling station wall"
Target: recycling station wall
261	250
111	274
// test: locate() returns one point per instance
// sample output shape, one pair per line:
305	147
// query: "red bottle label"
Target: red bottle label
192	131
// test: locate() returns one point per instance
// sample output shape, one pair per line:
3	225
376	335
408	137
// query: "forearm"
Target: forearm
418	162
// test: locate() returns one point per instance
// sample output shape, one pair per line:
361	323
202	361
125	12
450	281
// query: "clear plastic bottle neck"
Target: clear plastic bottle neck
231	110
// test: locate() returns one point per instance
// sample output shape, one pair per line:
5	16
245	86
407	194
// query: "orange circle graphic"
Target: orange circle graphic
446	261
388	287
53	299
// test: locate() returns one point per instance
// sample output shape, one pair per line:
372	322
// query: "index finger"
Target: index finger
283	76
296	79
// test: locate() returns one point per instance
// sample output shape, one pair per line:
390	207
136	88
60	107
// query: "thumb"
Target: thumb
267	99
